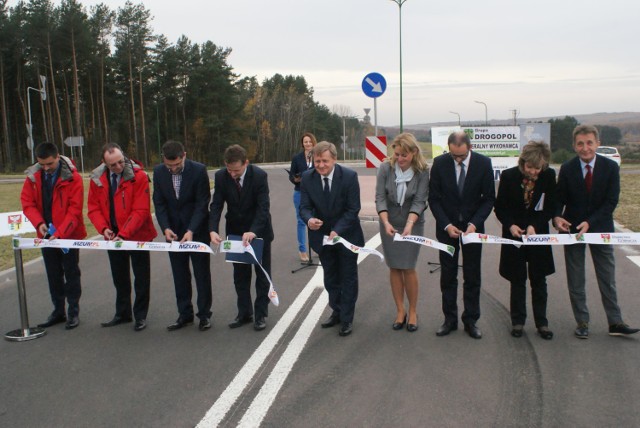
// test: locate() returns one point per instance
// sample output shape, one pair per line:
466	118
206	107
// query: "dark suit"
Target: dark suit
576	204
535	261
247	211
340	215
449	207
188	212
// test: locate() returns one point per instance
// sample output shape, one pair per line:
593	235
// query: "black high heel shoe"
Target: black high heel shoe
400	325
412	327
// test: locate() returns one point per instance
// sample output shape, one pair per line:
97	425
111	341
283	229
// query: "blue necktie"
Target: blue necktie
114	183
327	190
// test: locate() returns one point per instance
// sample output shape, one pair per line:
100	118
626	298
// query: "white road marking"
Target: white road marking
635	259
263	401
267	395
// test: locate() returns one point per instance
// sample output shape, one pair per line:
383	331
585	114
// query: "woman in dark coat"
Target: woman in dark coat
524	205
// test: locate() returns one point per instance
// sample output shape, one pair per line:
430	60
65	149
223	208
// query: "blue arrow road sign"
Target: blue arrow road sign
374	85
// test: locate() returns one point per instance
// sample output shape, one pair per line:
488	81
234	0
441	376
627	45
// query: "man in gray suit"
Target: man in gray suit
588	191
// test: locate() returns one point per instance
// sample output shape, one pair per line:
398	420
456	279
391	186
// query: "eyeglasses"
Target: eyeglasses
459	157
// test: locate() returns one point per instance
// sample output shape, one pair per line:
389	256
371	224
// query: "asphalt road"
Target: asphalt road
296	374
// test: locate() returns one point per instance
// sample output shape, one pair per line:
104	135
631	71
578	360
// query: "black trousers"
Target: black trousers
242	281
182	283
538	301
122	262
471	258
340	280
63	275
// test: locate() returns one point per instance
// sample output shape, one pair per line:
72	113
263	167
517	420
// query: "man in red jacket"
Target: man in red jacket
52	198
119	208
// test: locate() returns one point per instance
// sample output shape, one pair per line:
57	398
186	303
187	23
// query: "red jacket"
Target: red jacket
66	206
131	200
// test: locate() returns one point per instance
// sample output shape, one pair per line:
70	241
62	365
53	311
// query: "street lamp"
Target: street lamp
43	96
400	3
486	114
344	138
458	114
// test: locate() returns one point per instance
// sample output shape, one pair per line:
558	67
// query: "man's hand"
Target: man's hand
453	231
108	234
169	235
515	230
531	230
215	238
582	228
314	223
247	237
188	236
333	234
471	228
43	229
561	224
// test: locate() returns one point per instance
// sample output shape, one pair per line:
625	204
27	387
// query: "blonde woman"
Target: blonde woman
402	188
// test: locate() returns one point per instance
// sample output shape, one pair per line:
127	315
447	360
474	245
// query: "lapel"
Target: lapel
246	183
393	188
450	172
336	184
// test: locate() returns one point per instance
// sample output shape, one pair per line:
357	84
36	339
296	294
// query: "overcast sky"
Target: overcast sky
540	57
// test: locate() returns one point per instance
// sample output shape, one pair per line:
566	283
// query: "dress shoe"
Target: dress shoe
545	333
205	324
345	329
115	321
53	320
334	319
240	321
140	325
399	325
517	330
180	322
446	328
621	329
582	331
72	323
304	257
259	324
473	331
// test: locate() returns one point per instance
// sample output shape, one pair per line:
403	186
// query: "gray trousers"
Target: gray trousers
605	267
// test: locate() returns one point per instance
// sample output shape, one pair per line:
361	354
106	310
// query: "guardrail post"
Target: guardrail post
26	332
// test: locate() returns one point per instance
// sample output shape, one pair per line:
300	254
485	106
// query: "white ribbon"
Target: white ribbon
481	238
229	246
351	247
449	249
557	239
86	244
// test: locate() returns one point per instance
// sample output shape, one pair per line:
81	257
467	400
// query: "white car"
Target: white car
610	152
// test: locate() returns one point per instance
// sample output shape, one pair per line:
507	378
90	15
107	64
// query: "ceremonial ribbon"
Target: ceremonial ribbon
601	238
351	247
449	249
230	246
175	246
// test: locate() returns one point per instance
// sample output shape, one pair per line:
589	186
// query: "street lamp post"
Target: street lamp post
344	138
43	96
457	114
486	113
400	3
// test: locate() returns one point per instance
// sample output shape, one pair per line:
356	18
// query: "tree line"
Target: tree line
109	78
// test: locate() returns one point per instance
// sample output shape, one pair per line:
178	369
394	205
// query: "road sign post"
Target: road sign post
373	86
